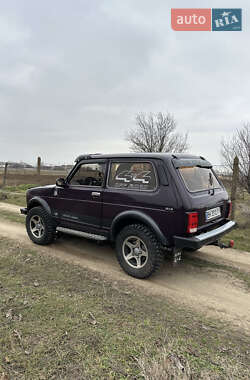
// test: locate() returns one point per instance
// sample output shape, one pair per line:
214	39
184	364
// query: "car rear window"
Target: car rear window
132	176
198	179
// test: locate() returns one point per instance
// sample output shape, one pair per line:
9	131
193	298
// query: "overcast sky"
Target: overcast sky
73	75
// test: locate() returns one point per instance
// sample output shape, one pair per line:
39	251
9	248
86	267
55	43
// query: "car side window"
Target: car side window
132	176
89	174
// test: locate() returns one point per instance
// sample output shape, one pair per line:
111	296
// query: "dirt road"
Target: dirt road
217	291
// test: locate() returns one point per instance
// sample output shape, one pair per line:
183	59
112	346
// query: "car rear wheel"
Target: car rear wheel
40	226
138	251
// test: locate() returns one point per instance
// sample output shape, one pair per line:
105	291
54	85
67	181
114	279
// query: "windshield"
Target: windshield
198	179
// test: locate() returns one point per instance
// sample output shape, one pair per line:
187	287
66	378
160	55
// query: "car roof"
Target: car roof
164	156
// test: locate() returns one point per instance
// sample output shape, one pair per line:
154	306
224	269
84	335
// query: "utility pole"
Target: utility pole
235	181
5	173
38	165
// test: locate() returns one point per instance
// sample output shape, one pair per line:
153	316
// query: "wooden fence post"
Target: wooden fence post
38	165
235	180
5	174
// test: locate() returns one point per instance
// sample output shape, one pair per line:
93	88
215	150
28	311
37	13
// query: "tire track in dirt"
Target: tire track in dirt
215	292
9	207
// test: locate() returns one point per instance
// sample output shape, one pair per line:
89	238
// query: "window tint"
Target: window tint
89	174
198	179
132	175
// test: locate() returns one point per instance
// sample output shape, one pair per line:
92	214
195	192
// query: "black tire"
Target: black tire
48	230
148	240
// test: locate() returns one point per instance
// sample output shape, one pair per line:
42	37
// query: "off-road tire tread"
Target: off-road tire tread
157	250
50	227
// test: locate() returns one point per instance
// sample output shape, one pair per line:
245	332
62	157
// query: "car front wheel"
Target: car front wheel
138	251
40	226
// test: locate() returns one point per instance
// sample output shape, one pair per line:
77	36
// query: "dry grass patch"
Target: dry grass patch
61	321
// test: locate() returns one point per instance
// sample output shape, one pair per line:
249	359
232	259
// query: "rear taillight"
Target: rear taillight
229	207
192	222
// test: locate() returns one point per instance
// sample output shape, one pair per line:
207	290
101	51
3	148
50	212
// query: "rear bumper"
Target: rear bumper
23	211
205	238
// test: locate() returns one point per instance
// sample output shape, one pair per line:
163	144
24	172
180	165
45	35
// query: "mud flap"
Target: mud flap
176	256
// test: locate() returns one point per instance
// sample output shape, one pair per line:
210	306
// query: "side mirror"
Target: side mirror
60	182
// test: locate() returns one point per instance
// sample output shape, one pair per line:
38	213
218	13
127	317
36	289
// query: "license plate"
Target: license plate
213	213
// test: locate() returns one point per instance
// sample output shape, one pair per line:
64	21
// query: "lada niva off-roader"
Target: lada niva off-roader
147	204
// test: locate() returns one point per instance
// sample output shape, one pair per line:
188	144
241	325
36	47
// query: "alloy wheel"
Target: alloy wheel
135	252
37	226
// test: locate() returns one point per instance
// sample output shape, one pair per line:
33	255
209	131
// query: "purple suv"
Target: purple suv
148	204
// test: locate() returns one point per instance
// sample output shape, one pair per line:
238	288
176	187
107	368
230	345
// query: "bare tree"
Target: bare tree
156	133
239	145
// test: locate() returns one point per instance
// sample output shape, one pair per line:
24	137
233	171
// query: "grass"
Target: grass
19	188
61	321
11	216
15	194
241	235
13	198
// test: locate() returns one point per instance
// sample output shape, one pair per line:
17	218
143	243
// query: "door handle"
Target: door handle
95	194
